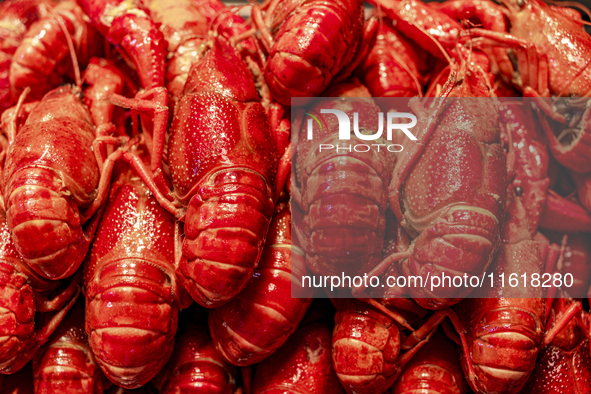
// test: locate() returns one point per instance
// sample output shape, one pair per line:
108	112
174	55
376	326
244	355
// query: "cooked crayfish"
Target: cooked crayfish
453	211
52	183
312	42
333	184
223	162
564	363
196	366
66	362
303	364
64	37
133	297
265	305
31	306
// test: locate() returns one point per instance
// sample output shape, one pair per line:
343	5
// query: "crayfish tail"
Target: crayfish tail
196	366
367	363
224	242
66	361
17	313
115	334
45	223
264	305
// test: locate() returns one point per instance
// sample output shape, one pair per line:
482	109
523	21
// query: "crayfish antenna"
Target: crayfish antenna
395	316
435	41
11	132
75	64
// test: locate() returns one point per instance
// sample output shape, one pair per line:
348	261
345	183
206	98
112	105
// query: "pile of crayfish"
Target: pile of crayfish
148	183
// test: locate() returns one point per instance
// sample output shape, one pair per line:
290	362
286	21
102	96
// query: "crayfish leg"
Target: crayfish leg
572	311
154	100
530	70
45	305
259	23
429	328
48	325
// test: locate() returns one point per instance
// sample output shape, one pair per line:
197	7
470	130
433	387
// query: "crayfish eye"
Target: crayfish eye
518	191
520	3
205	47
